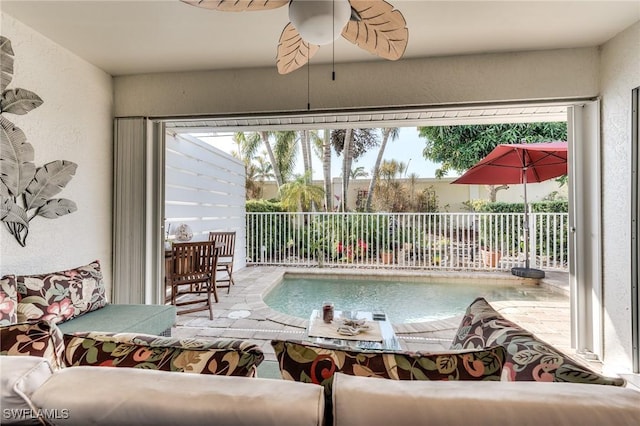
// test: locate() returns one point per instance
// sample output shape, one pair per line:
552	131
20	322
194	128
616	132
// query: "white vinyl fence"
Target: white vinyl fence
446	241
204	189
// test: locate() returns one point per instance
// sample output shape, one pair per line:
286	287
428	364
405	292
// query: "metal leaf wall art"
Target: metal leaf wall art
25	191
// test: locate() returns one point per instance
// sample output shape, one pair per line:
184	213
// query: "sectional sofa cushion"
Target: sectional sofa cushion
222	357
8	300
127	318
41	339
137	397
527	357
21	377
314	363
363	401
60	296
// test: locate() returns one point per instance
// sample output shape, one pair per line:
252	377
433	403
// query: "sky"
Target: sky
407	148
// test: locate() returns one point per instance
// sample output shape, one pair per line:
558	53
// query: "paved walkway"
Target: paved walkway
242	314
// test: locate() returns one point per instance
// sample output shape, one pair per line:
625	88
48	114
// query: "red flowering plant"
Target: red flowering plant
350	252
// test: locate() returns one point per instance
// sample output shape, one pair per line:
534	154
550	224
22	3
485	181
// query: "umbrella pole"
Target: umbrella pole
526	272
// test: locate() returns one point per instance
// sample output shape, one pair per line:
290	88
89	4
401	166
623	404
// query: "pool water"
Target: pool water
403	302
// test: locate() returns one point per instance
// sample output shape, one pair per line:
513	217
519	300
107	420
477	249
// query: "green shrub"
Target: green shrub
267	206
352	235
542	247
273	228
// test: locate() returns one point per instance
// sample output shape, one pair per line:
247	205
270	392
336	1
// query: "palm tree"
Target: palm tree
347	159
247	144
358	172
285	150
352	143
326	170
320	145
387	132
253	190
245	152
281	156
300	194
390	193
264	169
305	143
413	182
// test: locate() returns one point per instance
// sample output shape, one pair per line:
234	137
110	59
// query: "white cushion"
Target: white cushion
373	401
20	376
131	396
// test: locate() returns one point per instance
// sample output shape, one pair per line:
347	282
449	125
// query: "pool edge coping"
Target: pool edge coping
273	278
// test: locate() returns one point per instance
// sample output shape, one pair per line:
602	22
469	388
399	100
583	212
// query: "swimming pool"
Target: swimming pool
404	301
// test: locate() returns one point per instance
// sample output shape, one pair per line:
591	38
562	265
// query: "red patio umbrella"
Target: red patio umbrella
520	163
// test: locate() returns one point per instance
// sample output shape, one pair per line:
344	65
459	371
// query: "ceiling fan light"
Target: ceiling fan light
319	21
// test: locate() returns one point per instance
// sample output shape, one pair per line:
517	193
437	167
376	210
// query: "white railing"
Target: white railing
447	241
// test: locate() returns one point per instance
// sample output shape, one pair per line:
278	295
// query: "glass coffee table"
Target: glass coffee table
379	335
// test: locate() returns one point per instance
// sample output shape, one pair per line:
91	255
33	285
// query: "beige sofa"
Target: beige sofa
124	396
504	375
133	396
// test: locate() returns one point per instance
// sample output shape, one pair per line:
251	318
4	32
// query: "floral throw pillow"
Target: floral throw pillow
8	300
60	296
223	357
314	363
528	358
41	338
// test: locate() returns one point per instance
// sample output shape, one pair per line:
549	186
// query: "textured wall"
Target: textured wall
75	124
475	78
450	197
619	74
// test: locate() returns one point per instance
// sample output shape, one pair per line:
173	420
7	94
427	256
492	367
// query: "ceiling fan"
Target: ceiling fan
373	25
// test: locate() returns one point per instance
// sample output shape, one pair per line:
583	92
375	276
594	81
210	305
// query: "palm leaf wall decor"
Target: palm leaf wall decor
16	162
25	192
6	63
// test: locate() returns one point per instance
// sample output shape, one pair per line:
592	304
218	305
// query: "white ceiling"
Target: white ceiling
131	37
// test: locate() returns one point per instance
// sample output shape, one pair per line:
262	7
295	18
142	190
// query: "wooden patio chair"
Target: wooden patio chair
226	243
193	272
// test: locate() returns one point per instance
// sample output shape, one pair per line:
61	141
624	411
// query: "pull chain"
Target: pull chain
333	44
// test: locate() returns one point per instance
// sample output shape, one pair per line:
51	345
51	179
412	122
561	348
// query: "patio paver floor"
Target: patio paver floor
242	314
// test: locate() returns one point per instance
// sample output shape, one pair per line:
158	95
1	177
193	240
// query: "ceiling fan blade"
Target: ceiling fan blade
293	51
381	30
237	5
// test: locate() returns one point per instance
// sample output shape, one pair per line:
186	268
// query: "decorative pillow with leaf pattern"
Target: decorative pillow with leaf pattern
60	296
528	358
222	357
314	363
308	362
8	300
42	339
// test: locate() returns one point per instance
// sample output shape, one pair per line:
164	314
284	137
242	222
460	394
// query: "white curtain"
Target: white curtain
138	192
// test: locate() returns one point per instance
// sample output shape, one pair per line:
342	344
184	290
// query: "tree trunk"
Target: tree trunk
305	143
274	164
326	169
347	152
493	190
376	167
